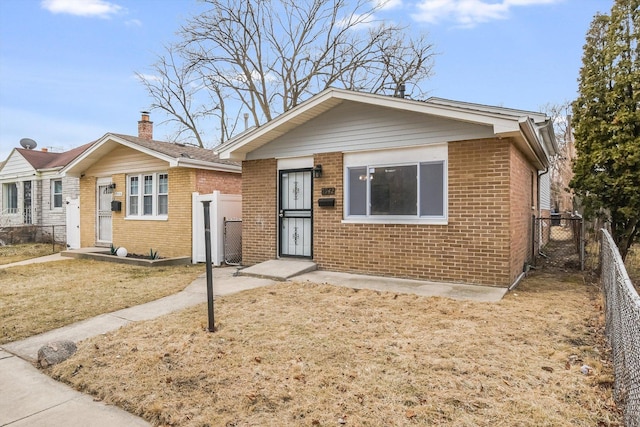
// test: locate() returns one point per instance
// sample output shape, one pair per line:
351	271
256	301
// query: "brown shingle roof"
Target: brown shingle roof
48	160
177	150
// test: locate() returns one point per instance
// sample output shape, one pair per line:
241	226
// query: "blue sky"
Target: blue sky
67	67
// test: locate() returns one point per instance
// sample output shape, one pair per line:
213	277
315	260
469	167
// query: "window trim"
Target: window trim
398	157
140	216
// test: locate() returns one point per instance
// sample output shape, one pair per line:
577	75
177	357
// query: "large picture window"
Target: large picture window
147	195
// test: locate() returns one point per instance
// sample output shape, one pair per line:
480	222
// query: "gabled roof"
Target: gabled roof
534	130
173	153
41	160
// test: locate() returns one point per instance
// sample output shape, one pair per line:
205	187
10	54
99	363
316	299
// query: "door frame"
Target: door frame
102	182
281	216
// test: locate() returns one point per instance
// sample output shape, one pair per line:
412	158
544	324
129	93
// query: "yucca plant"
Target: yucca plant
153	254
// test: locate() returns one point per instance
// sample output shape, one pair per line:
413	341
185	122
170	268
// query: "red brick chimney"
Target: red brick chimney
145	127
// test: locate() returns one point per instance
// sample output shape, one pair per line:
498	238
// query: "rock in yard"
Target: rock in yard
55	352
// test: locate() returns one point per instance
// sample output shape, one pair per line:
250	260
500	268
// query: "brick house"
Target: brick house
435	190
137	193
33	191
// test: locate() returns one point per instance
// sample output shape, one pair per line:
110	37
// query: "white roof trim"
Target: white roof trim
505	121
109	138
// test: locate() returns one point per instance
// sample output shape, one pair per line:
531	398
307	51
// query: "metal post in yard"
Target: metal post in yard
207	245
582	242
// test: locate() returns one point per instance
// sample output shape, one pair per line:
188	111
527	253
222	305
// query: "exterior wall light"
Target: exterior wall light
317	171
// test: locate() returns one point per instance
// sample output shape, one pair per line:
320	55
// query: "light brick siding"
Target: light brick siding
486	240
171	237
87	211
523	180
472	248
259	211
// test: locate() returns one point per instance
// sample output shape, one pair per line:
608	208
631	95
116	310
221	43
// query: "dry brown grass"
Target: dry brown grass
316	355
15	253
40	297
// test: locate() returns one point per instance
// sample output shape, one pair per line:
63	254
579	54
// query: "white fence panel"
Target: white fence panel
222	206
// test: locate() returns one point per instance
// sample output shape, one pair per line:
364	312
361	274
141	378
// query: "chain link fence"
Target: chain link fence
233	241
559	242
15	235
622	316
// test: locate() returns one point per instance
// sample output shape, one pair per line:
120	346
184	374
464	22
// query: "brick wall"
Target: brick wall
472	248
484	242
259	211
225	182
87	211
523	191
171	237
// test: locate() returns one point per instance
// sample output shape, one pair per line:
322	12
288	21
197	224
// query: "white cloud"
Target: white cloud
86	8
468	13
388	4
133	23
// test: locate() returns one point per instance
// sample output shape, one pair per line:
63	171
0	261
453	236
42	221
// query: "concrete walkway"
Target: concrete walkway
30	398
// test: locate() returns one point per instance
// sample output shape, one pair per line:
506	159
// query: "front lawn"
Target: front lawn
39	297
300	354
14	253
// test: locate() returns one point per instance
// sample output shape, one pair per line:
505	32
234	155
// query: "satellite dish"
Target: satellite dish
28	143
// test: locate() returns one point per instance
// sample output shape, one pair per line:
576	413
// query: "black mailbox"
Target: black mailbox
116	205
327	202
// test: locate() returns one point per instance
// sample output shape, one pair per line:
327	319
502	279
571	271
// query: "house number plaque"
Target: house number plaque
329	191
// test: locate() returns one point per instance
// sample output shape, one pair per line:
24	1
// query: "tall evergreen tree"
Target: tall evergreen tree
607	123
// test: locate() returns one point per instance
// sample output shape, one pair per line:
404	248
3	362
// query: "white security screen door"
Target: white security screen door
103	222
296	213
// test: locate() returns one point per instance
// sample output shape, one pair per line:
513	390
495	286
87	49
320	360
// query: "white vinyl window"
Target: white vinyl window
56	193
398	191
147	195
10	201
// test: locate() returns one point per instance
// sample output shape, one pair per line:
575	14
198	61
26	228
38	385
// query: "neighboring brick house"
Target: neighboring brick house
151	184
33	191
436	190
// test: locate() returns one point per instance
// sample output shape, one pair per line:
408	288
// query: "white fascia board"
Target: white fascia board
202	164
72	168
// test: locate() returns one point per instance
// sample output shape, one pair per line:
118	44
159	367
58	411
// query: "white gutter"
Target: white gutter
531	135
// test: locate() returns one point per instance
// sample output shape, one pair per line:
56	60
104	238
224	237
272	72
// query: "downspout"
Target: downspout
517	281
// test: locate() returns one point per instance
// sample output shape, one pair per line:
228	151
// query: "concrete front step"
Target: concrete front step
279	269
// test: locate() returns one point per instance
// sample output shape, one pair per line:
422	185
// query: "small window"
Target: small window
10	198
147	198
432	189
56	193
133	195
163	193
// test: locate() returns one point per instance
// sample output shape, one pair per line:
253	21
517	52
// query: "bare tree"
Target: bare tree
267	56
562	163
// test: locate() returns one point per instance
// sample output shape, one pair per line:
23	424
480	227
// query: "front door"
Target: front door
103	221
296	214
27	217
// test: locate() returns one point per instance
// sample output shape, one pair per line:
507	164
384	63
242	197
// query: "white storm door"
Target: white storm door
296	213
103	221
